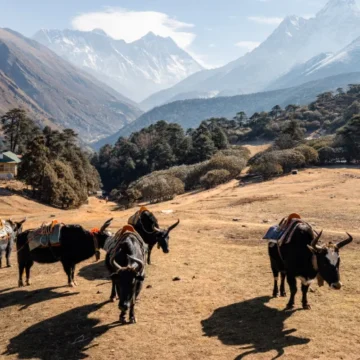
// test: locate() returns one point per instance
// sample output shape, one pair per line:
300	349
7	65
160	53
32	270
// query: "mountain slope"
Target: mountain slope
345	61
136	69
190	113
296	40
33	77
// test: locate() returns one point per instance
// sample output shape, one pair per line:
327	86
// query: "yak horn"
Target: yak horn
106	225
172	227
156	229
138	262
120	268
316	240
344	242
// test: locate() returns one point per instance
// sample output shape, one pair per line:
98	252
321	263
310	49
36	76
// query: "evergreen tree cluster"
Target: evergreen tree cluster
157	147
58	172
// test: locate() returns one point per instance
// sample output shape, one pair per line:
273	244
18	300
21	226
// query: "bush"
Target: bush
155	187
289	159
327	155
310	154
239	151
267	169
214	178
233	164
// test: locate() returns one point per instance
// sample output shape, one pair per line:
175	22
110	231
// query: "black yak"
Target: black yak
75	245
303	258
125	260
11	229
146	224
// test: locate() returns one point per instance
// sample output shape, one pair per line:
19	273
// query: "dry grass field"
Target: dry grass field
221	308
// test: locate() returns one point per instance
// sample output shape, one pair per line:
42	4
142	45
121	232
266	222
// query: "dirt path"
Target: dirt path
221	308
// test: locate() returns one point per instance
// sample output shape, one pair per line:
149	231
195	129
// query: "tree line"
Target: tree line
57	171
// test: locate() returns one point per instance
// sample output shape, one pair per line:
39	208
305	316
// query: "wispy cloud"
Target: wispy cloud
266	20
248	45
132	25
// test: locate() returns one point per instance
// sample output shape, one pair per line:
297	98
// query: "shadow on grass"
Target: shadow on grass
27	298
65	336
254	326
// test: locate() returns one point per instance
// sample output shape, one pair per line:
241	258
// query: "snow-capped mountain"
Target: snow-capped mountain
296	40
344	61
135	69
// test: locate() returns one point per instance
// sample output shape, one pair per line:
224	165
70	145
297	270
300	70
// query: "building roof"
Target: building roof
9	157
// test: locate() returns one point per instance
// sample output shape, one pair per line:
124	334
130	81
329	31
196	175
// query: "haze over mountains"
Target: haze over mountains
55	92
295	41
136	69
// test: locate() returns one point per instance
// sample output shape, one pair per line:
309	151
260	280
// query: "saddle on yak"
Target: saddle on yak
282	233
134	219
112	245
6	231
47	235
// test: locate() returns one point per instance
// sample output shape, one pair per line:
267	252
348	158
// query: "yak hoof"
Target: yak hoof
20	283
112	299
8	265
283	294
122	320
275	295
306	307
289	306
71	284
133	320
28	282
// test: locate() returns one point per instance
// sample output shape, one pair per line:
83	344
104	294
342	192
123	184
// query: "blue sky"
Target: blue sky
214	31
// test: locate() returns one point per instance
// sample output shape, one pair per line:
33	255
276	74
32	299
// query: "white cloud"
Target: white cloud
212	45
248	45
266	20
132	25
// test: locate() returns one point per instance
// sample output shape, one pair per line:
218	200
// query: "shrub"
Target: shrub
239	151
214	178
327	155
155	187
267	169
233	164
310	154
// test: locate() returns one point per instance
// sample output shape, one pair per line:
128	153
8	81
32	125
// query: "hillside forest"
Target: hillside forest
163	159
55	169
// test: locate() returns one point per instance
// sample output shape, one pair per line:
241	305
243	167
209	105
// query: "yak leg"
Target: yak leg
132	317
282	285
113	291
21	271
68	269
149	254
304	290
28	266
293	289
275	271
8	252
73	275
1	256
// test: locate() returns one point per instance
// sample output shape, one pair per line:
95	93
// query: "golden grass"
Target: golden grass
221	308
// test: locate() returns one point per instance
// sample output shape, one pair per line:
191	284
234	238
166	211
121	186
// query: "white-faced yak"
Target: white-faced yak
125	260
146	224
75	245
8	233
301	257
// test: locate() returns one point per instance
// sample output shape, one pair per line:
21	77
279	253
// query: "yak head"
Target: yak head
328	260
16	226
152	232
126	278
100	236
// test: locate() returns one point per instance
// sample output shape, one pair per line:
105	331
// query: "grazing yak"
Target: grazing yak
8	233
301	257
125	260
75	245
146	224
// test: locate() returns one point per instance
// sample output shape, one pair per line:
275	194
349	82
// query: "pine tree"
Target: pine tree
18	129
